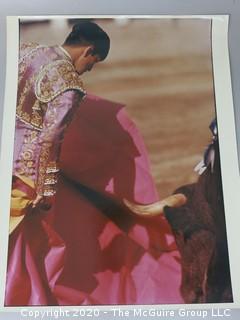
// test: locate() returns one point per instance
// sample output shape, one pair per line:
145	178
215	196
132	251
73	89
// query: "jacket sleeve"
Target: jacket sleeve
58	116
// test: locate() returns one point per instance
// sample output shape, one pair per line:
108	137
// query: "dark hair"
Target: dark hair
89	33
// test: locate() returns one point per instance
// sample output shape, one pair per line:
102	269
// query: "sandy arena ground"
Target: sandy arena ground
162	71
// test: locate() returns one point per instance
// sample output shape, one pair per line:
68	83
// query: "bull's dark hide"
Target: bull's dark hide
200	232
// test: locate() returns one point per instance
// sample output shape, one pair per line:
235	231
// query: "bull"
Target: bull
196	215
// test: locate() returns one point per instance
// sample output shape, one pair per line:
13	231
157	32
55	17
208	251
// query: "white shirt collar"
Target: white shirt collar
65	52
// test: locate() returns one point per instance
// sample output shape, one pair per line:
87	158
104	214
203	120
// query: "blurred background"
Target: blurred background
161	70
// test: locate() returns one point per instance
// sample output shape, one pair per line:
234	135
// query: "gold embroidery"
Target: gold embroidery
48	191
52	167
51	179
27	155
26	161
59	74
29	45
64	77
48	170
36	117
27	51
37	105
22	68
21	71
22	98
44	156
30	164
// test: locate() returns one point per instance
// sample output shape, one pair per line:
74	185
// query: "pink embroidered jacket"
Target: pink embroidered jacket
49	91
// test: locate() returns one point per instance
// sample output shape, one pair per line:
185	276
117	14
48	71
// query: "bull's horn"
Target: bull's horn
155	209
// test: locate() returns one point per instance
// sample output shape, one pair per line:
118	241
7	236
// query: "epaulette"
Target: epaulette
56	78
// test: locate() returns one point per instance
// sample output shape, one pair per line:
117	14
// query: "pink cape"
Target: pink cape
88	249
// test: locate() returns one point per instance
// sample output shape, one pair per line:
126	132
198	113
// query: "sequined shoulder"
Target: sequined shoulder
56	78
27	48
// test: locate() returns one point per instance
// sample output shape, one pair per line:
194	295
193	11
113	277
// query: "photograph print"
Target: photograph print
116	192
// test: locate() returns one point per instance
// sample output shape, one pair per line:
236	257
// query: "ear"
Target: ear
88	51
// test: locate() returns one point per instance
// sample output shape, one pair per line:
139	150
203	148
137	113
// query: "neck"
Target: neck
74	52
